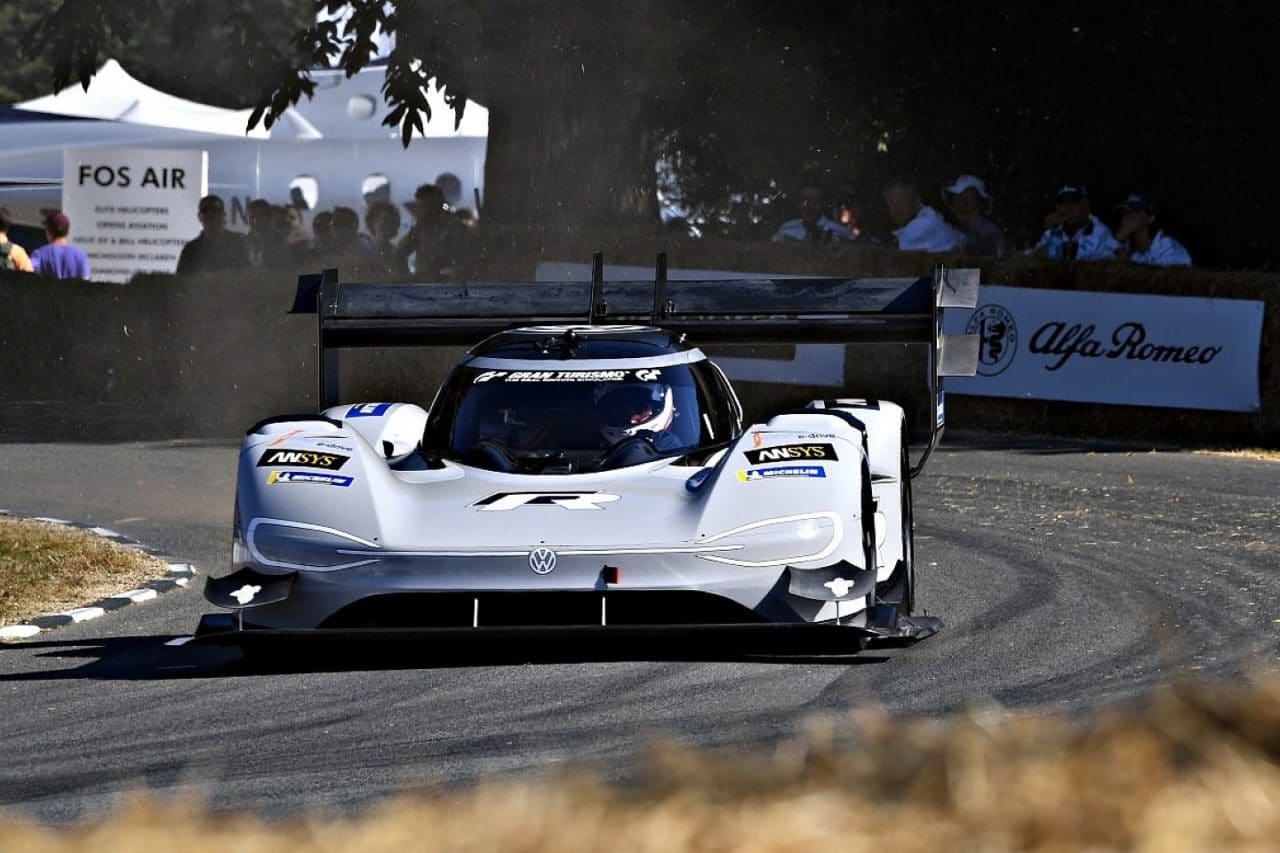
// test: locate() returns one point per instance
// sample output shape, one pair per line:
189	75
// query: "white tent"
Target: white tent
342	108
114	94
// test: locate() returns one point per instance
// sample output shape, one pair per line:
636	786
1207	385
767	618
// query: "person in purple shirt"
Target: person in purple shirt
59	259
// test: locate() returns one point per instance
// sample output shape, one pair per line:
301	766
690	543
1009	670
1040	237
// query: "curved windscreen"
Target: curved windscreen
573	420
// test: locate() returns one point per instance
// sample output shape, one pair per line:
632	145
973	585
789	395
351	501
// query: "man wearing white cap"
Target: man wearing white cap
1143	245
968	199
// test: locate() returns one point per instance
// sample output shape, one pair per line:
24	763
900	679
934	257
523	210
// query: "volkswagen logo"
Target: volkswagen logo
542	560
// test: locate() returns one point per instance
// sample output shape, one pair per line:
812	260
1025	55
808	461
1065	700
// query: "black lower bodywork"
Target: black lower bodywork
705	621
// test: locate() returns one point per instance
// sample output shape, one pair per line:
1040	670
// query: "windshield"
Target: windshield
570	420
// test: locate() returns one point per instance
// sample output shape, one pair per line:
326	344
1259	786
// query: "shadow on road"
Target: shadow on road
148	658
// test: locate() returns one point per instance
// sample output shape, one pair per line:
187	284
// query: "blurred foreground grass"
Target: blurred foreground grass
45	568
1193	767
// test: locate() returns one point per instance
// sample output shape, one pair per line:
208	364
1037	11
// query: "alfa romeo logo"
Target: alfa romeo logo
542	560
998	338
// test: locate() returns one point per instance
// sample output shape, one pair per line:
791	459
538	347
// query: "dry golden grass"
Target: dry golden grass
1262	453
46	568
1194	768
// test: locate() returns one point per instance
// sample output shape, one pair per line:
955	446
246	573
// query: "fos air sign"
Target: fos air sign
1179	352
132	209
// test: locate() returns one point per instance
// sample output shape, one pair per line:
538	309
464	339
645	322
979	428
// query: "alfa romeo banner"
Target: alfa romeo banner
1180	352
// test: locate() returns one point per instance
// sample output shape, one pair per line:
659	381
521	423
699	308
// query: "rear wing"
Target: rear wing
782	310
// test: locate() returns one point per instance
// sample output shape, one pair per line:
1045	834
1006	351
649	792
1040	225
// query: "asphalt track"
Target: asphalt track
1068	577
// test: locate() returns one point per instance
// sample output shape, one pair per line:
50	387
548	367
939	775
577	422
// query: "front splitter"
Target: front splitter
222	629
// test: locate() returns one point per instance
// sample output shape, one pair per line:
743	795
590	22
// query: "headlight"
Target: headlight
296	545
781	541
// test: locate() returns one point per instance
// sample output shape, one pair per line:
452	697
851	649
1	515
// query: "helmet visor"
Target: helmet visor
631	405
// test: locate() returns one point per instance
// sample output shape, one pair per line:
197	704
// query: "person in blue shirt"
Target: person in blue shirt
59	259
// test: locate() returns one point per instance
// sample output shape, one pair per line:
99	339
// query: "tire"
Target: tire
900	589
869	530
908	602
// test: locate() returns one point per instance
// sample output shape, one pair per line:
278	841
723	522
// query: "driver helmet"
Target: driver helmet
628	410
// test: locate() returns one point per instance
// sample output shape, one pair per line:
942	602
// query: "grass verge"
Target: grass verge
1262	453
46	568
1191	768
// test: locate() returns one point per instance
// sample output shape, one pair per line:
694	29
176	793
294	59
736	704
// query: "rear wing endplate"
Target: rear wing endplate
782	310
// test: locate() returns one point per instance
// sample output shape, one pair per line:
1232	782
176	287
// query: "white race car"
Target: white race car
589	476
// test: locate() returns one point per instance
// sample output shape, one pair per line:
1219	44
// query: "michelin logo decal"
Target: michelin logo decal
277	477
755	475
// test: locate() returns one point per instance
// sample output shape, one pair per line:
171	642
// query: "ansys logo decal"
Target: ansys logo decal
790	452
998	338
302	459
565	500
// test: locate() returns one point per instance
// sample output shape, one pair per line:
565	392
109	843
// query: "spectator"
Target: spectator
346	243
12	256
920	227
320	227
58	258
1072	231
425	248
216	249
968	199
383	221
286	222
1140	245
322	232
260	244
813	225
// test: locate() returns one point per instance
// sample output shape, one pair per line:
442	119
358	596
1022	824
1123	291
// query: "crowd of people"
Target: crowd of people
277	236
1071	230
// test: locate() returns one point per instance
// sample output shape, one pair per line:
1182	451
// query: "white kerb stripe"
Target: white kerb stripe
83	614
135	595
18	632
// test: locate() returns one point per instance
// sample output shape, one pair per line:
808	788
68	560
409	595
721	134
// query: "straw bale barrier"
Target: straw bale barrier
1191	768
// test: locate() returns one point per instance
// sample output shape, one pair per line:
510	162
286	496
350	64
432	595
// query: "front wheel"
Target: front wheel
900	589
908	602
